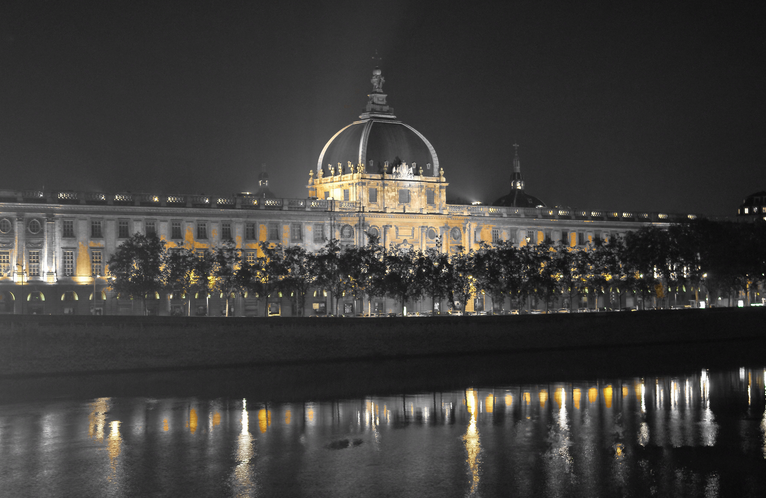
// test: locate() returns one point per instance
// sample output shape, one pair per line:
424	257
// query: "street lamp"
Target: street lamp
95	276
22	272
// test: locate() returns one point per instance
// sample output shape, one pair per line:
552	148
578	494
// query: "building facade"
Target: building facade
377	176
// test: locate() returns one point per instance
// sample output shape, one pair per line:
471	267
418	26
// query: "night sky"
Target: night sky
637	106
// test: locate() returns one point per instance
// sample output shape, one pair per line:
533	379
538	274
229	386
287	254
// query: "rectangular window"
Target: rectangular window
34	263
5	263
226	230
250	231
345	194
495	235
326	195
68	229
296	232
548	236
430	197
319	232
201	230
581	240
274	231
565	238
250	257
531	237
96	263
175	230
95	229
68	263
123	231
150	228
404	196
373	195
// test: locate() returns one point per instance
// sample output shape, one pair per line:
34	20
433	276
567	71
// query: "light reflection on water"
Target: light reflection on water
701	434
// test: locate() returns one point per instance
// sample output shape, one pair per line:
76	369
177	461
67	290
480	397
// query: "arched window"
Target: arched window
70	296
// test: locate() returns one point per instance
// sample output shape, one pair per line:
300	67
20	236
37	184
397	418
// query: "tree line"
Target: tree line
721	258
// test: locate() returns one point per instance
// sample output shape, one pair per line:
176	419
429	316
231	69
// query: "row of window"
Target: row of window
372	196
177	232
533	236
32	268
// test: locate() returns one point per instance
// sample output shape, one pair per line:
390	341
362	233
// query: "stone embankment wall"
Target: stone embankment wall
43	345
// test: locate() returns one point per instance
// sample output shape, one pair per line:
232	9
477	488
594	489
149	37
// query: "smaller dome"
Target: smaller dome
519	198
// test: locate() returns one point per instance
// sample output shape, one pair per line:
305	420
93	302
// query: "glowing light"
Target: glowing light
115	442
489	402
560	397
288	417
543	398
608	396
576	397
471	440
592	395
97	418
264	419
192	421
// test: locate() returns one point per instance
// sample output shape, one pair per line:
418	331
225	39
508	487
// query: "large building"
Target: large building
376	176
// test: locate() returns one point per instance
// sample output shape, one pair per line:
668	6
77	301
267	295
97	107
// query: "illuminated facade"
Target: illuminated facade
376	176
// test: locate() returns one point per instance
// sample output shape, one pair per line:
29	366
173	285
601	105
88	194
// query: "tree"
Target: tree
136	266
328	272
364	268
545	278
203	274
572	268
293	274
461	280
401	280
178	273
225	260
433	267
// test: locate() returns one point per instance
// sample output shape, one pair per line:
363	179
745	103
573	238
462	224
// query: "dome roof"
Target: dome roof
378	138
375	141
519	198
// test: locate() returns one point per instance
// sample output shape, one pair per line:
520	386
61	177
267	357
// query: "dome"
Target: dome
517	197
373	142
378	138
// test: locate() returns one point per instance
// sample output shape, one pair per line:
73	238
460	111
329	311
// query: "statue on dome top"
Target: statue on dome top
377	81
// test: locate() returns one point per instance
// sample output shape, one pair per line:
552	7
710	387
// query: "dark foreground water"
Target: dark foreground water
514	425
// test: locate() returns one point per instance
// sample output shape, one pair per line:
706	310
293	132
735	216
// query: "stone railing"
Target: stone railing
249	201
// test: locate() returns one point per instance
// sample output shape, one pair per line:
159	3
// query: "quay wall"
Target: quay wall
45	345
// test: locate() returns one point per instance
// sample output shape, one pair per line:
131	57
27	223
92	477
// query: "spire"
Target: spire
517	181
377	106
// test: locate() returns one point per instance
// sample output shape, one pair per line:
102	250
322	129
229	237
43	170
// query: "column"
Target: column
51	246
19	243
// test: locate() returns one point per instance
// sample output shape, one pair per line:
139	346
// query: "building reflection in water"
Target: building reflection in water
471	439
243	476
699	434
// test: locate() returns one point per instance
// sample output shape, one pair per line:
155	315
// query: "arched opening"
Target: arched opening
6	302
70	298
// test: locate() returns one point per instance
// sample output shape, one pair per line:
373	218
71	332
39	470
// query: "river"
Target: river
669	422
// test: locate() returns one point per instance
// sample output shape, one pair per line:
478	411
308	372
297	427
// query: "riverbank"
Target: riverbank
45	345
